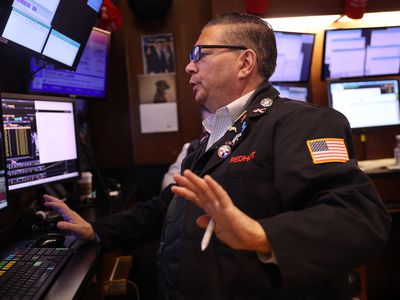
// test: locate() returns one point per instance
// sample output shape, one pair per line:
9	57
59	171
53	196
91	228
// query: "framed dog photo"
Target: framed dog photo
158	105
158	88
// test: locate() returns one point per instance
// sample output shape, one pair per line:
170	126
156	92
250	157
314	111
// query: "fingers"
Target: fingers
202	221
54	203
218	191
50	198
195	189
185	193
73	222
182	180
60	207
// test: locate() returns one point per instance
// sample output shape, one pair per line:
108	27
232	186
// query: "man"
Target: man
156	58
169	56
292	211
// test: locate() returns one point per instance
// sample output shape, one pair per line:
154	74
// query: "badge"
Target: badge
232	128
260	110
244	125
224	151
266	102
203	138
236	138
328	150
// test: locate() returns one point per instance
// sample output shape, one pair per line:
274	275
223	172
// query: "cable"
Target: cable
135	287
11	224
90	157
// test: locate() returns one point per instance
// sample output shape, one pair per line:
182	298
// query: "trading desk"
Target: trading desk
72	281
383	273
76	274
75	277
386	177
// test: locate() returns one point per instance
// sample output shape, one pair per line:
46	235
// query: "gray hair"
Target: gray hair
253	33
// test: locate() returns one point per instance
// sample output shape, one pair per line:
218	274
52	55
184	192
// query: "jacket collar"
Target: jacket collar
262	100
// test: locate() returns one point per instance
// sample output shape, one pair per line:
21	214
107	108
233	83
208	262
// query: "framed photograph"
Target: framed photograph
158	53
158	107
157	88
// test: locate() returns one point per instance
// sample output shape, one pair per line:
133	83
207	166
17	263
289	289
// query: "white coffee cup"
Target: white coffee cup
84	185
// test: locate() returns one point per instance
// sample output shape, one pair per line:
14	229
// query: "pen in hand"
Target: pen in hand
207	235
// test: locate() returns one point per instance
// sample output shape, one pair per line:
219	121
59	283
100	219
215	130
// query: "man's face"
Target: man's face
158	45
214	77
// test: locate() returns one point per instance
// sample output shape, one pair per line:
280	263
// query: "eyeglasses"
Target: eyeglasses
196	54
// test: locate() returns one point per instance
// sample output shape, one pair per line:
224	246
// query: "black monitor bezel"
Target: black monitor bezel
79	96
296	84
358	79
323	76
311	55
31	97
4	161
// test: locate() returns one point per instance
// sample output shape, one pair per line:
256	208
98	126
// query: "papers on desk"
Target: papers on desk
394	167
378	164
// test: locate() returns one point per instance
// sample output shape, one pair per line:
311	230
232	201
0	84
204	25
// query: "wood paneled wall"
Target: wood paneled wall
184	20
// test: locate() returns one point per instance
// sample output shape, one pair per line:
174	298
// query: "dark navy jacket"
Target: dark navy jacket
322	219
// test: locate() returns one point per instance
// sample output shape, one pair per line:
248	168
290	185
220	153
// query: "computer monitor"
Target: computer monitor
367	103
293	91
360	52
294	56
57	29
89	79
40	140
3	181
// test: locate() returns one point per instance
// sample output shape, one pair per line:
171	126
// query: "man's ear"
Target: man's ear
248	62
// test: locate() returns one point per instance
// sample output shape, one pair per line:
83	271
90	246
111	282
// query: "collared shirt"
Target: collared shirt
217	124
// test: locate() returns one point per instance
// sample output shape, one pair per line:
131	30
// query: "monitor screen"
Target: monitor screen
40	140
89	79
361	52
56	29
294	56
293	91
368	103
3	181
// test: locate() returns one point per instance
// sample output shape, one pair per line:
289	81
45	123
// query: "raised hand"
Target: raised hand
232	226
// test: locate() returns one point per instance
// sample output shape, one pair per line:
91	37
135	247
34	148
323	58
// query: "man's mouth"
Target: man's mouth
195	85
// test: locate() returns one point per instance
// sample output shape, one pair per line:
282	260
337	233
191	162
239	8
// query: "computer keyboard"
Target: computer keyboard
27	273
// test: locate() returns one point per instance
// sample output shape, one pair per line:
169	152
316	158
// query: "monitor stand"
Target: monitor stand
56	190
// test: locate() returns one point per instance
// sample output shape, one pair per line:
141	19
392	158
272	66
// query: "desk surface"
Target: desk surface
77	272
74	277
377	166
80	268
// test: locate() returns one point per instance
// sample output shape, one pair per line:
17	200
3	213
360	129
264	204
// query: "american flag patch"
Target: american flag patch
328	150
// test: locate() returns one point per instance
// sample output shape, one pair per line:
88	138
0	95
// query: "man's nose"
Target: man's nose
190	67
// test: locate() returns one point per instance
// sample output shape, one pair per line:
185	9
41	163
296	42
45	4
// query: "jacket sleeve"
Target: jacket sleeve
334	218
141	223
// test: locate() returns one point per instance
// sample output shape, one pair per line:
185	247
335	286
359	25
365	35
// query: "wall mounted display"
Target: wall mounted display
295	51
361	52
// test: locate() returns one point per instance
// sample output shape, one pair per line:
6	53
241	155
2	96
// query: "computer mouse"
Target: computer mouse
49	240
